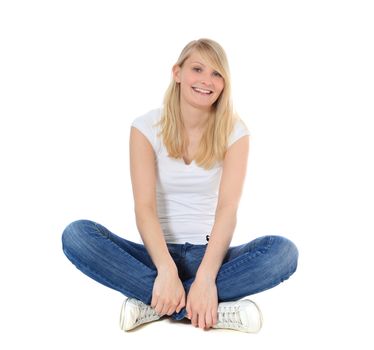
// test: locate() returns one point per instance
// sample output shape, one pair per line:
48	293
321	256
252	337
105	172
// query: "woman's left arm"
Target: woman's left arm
202	299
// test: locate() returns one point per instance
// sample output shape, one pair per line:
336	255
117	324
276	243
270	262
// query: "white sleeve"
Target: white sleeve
144	124
240	130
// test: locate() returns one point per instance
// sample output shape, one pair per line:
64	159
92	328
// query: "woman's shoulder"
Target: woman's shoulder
146	123
240	129
149	117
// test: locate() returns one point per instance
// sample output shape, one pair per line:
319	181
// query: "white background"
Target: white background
74	74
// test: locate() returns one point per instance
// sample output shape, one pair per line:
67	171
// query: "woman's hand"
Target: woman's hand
202	303
168	293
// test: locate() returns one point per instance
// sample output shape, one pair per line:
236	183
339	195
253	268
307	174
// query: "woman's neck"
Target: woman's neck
194	119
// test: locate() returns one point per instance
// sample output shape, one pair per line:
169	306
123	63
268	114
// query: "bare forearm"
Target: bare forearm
153	238
219	242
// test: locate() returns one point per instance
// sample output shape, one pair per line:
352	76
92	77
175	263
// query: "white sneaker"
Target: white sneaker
134	313
241	315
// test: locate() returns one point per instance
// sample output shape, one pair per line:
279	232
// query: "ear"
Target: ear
176	73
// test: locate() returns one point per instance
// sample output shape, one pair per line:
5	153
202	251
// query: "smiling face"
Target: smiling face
200	84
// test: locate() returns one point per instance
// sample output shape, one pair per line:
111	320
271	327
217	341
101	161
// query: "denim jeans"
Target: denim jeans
128	268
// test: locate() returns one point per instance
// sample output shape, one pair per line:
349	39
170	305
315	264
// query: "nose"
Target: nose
206	79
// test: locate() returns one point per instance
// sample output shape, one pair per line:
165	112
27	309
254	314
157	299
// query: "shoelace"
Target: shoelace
230	315
146	312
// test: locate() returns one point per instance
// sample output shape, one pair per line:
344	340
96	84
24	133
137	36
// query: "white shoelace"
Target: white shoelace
146	313
230	316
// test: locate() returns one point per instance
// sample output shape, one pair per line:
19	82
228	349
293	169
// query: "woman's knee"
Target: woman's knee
75	232
286	254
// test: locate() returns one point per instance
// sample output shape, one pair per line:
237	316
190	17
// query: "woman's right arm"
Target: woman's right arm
168	293
151	233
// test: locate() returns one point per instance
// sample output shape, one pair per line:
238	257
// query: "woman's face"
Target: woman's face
200	84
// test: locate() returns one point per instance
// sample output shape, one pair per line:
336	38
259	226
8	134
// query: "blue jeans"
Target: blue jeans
128	268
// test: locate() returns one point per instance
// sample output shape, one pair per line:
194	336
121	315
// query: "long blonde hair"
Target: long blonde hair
214	140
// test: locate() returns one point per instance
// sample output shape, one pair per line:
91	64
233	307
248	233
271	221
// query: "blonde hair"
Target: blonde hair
213	143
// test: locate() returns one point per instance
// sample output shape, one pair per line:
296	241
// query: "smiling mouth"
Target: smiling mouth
202	91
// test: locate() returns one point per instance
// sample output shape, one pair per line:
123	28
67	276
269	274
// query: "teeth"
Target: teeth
202	90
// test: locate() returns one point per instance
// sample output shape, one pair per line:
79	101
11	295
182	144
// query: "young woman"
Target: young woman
188	162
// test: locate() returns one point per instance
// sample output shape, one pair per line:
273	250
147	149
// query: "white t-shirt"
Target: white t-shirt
186	194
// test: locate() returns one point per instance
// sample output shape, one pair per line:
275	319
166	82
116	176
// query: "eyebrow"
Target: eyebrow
199	63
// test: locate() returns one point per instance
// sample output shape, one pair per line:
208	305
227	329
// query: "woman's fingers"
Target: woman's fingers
208	319
194	319
166	308
170	311
173	308
202	320
154	302
181	305
214	316
159	308
188	310
163	307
